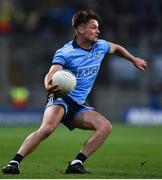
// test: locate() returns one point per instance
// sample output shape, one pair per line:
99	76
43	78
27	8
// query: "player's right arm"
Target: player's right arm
48	79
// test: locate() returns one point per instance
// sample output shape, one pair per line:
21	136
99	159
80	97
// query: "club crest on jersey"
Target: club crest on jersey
87	71
97	55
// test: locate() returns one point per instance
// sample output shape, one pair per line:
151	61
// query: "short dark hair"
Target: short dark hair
83	17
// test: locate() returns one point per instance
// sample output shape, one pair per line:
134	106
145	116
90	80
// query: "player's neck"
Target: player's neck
83	43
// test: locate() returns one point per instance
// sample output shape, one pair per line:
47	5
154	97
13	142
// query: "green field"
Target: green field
120	157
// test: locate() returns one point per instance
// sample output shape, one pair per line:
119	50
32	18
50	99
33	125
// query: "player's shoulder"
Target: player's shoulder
102	44
68	47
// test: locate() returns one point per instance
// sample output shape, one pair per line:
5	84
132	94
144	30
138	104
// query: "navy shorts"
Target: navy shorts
71	108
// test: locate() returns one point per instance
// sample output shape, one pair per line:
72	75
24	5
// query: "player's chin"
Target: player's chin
94	40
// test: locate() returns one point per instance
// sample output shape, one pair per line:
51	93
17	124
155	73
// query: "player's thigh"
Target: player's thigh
52	116
91	120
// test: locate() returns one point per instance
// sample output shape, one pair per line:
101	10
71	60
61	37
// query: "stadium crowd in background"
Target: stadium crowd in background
135	20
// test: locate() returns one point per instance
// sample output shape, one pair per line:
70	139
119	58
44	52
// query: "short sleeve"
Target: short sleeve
59	58
105	45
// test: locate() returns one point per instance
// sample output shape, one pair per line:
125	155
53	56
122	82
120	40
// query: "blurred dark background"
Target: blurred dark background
31	31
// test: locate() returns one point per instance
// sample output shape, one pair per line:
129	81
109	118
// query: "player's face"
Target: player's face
91	31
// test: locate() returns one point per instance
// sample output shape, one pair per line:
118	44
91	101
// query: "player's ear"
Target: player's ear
81	29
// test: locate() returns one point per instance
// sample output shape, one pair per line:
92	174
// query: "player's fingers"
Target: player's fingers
57	91
52	88
145	65
50	82
142	68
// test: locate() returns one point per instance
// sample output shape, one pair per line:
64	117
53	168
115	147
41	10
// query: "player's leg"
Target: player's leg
92	120
89	120
51	119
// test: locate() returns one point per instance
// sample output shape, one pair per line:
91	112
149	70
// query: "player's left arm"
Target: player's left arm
122	52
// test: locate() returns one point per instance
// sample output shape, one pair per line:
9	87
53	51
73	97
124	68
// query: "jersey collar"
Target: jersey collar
76	45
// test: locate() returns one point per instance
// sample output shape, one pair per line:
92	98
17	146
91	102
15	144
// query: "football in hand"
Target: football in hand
65	80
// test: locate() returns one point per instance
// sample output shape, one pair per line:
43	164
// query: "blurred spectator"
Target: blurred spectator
12	19
19	97
6	14
53	21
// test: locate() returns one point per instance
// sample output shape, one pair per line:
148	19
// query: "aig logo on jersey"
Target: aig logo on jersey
87	71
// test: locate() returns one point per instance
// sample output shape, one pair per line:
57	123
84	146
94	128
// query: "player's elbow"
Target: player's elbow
114	48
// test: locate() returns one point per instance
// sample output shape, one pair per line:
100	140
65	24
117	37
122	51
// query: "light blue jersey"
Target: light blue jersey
84	64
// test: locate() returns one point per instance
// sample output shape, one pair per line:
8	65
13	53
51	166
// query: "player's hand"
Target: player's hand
54	89
140	64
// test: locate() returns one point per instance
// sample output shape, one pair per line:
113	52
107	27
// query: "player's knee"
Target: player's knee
105	129
45	132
